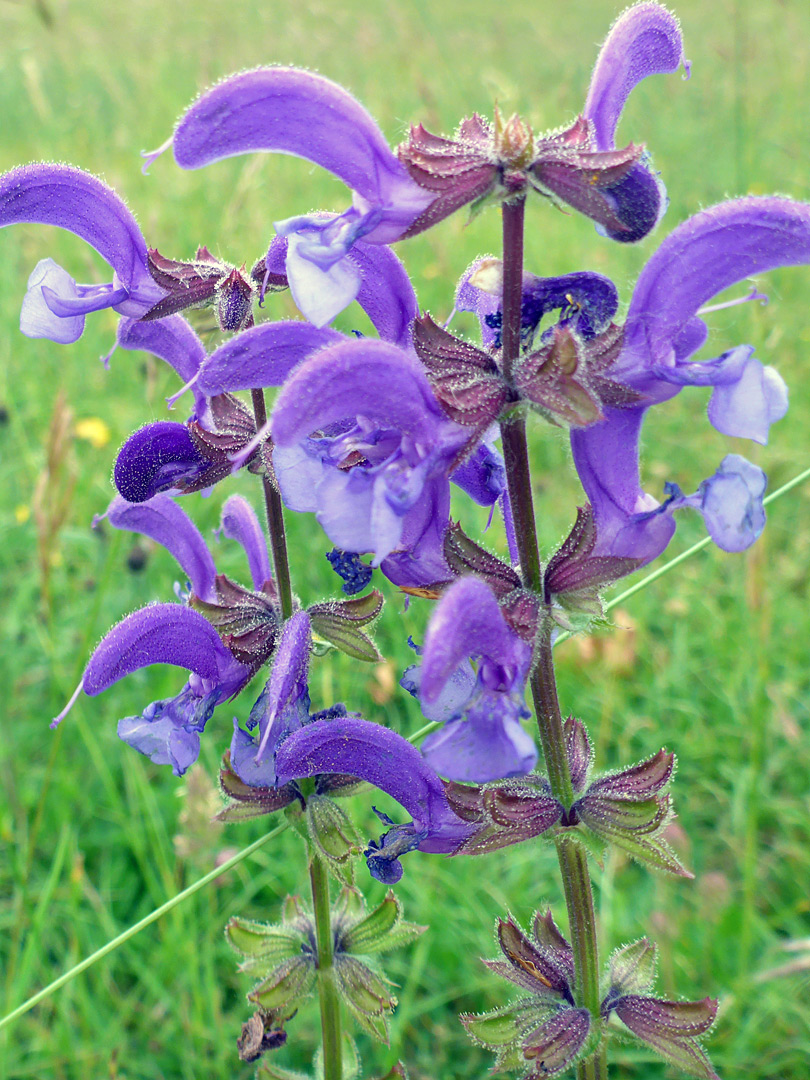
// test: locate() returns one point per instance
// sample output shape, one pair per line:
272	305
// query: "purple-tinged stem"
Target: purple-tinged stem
275	519
572	858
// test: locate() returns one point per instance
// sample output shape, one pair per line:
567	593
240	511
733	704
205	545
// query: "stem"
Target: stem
327	990
513	428
549	720
275	520
572	858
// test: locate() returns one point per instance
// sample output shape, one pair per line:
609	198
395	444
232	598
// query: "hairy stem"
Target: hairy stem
327	990
275	520
572	859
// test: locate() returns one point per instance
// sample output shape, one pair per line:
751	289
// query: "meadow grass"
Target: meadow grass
710	661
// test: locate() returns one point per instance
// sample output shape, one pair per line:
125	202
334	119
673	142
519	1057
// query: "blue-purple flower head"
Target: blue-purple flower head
290	111
644	40
361	441
167	731
219	664
351	745
618	373
55	306
706	254
281	709
481	709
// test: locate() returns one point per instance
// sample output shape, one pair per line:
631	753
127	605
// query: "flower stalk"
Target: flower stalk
327	989
572	858
275	519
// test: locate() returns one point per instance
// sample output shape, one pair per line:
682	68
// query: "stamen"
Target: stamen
170	401
58	719
106	359
152	155
241	456
450	318
753	295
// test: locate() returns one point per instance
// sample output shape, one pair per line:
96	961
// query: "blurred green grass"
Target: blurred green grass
711	662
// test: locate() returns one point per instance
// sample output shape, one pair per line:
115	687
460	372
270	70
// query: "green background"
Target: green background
710	661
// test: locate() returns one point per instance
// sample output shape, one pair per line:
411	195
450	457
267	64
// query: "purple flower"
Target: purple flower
290	111
482	738
167	731
348	744
644	40
281	709
361	441
385	292
222	643
173	340
704	255
549	1031
55	306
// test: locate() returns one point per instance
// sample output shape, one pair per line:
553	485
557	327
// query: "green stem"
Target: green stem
275	519
572	858
549	720
327	989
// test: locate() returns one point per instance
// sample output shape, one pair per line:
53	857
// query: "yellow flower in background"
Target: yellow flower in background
93	430
22	513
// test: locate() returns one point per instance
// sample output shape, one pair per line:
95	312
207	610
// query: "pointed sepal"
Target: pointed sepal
333	834
244	802
256	940
465	379
287	984
671	1028
380	930
366	993
339	622
574	577
464	556
632	968
579	751
559	1042
503	1026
